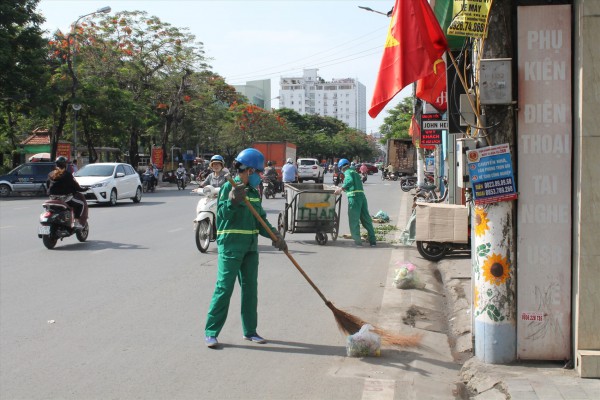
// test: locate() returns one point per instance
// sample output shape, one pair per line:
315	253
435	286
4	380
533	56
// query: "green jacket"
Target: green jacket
237	228
352	183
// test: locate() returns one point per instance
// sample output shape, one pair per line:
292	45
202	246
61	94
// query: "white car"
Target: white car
310	169
109	182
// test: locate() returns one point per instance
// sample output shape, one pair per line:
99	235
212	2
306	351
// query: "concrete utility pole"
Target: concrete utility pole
493	233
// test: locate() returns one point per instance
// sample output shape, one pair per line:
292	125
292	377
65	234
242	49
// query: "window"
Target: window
120	169
26	170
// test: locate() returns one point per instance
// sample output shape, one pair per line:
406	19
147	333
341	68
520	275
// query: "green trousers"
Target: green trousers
242	265
358	213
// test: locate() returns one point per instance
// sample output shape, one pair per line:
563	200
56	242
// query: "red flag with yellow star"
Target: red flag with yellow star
415	41
432	88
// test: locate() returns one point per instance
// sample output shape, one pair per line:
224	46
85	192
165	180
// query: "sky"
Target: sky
252	39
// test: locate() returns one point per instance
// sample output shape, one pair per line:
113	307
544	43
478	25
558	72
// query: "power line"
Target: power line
304	60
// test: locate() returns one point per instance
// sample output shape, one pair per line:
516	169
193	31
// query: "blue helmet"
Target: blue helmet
217	158
251	158
343	162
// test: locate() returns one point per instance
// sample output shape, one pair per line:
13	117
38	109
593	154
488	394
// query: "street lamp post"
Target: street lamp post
76	106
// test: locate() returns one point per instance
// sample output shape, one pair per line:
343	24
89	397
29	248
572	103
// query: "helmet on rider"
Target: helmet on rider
343	163
289	161
216	159
180	164
250	158
61	162
269	163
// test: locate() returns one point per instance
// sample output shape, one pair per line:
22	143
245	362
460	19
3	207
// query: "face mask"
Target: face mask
254	180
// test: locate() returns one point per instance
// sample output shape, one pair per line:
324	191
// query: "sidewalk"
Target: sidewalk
442	312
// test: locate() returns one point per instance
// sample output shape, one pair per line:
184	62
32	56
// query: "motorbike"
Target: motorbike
269	188
148	183
205	228
181	180
363	176
390	176
338	177
57	222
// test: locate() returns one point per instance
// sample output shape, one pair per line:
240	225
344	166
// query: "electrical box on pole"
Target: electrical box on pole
462	172
495	81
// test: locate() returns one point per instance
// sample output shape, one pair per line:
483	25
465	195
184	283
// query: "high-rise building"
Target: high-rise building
343	99
257	92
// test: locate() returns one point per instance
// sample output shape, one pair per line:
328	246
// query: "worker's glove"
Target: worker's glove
280	243
237	194
338	191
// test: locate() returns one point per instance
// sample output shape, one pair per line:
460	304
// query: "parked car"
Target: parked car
310	169
27	177
372	168
109	182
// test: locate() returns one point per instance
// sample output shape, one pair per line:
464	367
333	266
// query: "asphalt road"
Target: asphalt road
122	315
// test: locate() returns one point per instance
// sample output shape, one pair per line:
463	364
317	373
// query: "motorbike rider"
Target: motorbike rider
181	170
271	174
364	169
358	209
237	241
61	183
152	173
289	172
217	177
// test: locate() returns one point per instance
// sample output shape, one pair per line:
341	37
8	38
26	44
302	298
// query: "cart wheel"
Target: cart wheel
281	228
321	238
334	233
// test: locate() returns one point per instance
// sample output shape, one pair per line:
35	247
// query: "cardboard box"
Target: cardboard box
442	223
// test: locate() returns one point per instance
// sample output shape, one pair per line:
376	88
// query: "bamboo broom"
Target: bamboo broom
346	322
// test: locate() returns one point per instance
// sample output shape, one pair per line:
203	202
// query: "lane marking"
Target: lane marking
379	389
175	230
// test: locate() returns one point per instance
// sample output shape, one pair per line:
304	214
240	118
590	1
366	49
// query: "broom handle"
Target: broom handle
274	238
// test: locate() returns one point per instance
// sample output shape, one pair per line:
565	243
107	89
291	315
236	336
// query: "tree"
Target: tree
396	124
22	68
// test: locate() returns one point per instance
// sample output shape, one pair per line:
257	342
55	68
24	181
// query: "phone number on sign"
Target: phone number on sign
532	316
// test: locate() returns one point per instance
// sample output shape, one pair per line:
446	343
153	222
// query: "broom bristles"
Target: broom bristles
350	324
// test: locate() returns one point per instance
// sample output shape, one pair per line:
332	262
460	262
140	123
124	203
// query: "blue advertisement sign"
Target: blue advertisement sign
429	164
492	178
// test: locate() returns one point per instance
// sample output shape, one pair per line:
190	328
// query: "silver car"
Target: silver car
109	182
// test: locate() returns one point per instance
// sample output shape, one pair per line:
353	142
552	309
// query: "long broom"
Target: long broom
346	322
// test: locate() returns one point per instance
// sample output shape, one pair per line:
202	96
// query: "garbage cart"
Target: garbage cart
310	208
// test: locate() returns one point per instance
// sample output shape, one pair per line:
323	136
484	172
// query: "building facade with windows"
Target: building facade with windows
343	99
258	92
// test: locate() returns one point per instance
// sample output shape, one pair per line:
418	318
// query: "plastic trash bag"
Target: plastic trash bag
364	343
381	216
405	277
407	237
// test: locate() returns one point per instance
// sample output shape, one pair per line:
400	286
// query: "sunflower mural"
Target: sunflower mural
496	269
476	297
481	221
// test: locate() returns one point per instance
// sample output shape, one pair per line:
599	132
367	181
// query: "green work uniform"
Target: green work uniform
237	243
358	209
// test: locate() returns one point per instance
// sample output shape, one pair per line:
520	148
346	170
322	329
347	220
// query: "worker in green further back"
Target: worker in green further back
358	209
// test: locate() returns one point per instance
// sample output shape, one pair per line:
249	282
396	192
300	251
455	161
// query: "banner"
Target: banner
491	172
470	18
157	157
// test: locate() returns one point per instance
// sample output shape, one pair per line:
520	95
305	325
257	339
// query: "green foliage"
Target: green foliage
397	123
22	68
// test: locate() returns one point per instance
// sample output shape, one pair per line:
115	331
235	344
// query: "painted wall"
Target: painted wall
545	140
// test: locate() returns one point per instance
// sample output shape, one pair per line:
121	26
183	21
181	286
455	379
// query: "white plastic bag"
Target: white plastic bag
406	278
364	343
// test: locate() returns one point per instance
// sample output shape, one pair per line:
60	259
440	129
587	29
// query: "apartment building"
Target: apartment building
343	99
